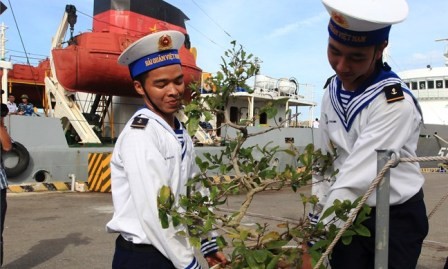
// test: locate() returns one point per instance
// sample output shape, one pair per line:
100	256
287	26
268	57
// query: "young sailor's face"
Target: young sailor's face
353	65
165	88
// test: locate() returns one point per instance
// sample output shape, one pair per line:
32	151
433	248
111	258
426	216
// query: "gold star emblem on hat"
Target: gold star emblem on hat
165	42
339	19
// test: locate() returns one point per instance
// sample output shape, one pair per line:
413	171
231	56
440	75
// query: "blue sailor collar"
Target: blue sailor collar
349	104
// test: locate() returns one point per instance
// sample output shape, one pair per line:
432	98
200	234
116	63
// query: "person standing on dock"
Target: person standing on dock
12	106
25	108
152	151
366	107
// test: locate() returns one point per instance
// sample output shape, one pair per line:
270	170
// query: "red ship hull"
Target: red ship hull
90	65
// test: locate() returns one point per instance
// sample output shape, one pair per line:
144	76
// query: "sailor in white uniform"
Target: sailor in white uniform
365	107
153	150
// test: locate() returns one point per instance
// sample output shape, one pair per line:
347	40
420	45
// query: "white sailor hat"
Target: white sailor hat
363	22
152	51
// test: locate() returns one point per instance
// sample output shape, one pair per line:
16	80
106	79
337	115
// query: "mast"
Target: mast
446	50
5	65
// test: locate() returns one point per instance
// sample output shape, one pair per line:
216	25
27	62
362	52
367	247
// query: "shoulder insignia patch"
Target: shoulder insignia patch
393	93
139	123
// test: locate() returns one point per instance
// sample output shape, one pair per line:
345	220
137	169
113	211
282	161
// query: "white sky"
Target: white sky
289	36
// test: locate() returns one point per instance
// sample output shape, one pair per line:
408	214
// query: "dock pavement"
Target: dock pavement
54	229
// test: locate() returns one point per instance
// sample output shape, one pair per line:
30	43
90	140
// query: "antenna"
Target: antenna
257	62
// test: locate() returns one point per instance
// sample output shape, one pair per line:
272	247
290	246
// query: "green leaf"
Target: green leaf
176	220
163	219
260	255
276	244
362	230
244	234
271	112
195	242
270	236
273	263
349	233
164	196
251	260
268	174
328	212
320	244
346	240
193	124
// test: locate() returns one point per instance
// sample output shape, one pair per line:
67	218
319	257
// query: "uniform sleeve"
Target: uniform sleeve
388	127
147	172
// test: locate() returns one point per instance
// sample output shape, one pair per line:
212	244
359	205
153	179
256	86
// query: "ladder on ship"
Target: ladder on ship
100	108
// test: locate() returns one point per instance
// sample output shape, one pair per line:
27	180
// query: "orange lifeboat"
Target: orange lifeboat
89	62
27	79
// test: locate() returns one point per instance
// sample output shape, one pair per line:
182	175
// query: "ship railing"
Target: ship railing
304	92
431	93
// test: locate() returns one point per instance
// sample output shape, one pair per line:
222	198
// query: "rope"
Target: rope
369	191
441	139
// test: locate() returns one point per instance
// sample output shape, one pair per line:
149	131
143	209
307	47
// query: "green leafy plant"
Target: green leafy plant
263	246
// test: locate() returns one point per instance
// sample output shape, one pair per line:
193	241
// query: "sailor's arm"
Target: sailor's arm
5	139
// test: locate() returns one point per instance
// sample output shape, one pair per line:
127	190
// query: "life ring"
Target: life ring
21	153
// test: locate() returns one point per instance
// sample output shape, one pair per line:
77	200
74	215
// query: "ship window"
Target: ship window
430	84
414	85
446	83
263	118
408	85
439	84
422	85
234	114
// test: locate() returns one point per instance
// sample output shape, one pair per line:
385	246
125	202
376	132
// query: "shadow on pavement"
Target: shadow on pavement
47	249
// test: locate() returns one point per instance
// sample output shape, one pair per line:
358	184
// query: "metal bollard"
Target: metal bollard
382	210
72	177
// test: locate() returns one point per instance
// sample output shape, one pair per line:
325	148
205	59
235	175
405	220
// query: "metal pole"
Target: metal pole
382	213
382	208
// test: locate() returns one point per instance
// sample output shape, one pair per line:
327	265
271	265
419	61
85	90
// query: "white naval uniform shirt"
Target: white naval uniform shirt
356	135
12	107
143	160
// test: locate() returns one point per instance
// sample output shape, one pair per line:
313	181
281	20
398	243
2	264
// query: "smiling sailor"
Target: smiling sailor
153	150
365	107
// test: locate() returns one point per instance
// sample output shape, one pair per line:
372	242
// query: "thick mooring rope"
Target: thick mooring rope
369	191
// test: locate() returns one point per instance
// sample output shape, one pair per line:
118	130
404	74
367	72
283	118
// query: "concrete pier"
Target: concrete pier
63	229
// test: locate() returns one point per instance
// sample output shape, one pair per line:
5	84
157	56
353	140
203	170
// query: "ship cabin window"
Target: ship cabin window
263	118
439	84
430	84
414	85
234	114
421	85
408	85
446	83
